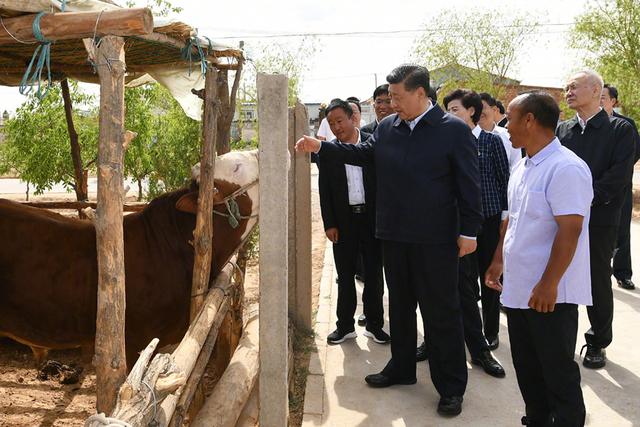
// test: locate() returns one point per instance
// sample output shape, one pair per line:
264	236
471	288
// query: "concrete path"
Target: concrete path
337	395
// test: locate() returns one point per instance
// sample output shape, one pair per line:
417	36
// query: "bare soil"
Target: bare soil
27	401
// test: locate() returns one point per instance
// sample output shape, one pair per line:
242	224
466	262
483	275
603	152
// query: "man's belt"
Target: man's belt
358	209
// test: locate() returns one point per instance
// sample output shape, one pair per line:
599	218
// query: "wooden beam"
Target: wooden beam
203	233
77	25
129	207
109	360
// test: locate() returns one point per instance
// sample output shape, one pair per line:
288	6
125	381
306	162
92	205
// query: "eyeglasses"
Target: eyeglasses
573	87
383	102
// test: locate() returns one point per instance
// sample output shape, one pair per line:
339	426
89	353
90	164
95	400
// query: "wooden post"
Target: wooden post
109	360
274	321
302	181
77	25
76	156
203	233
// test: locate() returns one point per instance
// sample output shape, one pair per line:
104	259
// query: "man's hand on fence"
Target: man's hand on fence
308	144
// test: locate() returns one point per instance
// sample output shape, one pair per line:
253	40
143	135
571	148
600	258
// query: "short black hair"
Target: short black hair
339	103
355	101
469	99
500	107
490	100
433	94
543	107
413	76
613	91
381	90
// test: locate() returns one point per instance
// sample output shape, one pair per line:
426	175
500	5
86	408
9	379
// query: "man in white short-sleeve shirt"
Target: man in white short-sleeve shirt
544	256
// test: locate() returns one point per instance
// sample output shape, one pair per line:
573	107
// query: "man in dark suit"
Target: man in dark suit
622	256
381	106
606	144
428	213
500	116
347	202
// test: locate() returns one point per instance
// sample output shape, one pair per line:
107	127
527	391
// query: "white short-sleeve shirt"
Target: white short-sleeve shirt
554	182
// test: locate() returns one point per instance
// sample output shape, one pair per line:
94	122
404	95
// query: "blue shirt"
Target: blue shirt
554	182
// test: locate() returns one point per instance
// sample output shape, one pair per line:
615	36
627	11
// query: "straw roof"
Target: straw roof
143	54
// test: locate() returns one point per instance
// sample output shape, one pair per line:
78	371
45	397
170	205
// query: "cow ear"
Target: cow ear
188	203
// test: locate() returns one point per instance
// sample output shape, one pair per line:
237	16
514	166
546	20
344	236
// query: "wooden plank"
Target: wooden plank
274	320
129	207
203	233
77	25
109	360
302	229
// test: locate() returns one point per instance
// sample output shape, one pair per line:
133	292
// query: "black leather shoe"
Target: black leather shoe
362	320
381	380
626	284
493	342
595	358
421	352
450	406
490	365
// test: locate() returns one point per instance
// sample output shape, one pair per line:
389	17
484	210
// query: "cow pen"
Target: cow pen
161	388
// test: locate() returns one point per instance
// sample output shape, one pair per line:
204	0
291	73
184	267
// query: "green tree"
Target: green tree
480	47
608	33
138	161
175	144
37	140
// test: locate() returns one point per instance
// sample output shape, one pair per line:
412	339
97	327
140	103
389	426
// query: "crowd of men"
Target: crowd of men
465	202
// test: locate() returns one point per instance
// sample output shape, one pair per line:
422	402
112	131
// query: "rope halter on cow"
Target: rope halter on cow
234	216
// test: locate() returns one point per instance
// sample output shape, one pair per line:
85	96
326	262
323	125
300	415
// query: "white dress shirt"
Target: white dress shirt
355	182
513	154
554	182
412	123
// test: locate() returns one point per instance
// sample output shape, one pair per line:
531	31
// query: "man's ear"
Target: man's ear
188	203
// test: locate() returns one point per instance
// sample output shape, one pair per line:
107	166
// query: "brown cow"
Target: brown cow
48	266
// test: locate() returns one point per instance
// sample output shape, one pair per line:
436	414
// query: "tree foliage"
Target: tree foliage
487	44
37	141
608	32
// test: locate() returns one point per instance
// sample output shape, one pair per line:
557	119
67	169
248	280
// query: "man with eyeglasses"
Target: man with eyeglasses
606	144
382	107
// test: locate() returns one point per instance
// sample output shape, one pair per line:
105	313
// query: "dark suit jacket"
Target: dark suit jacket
503	122
369	127
637	137
334	194
607	145
427	180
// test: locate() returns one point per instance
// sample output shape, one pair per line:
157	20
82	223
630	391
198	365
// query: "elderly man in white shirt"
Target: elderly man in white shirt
487	123
544	256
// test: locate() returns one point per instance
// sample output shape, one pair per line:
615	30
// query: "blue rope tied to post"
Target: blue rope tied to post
187	52
41	58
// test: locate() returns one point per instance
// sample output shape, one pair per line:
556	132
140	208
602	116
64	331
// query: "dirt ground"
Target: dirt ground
27	401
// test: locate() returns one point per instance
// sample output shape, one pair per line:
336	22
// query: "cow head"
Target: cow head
233	171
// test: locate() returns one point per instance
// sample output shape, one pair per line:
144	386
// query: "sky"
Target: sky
350	65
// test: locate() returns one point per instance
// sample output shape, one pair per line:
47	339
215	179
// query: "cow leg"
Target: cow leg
39	354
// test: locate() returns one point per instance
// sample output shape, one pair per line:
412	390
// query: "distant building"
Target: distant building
510	87
3	118
243	125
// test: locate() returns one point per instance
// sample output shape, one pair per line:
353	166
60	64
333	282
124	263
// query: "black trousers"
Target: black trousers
471	320
359	239
542	348
487	244
426	275
622	255
602	241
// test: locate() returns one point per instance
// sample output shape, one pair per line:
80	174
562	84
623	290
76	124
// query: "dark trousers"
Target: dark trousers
426	275
487	243
622	255
359	239
471	320
542	348
602	241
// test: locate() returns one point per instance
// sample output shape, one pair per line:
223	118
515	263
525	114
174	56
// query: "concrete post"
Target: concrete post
274	168
302	180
